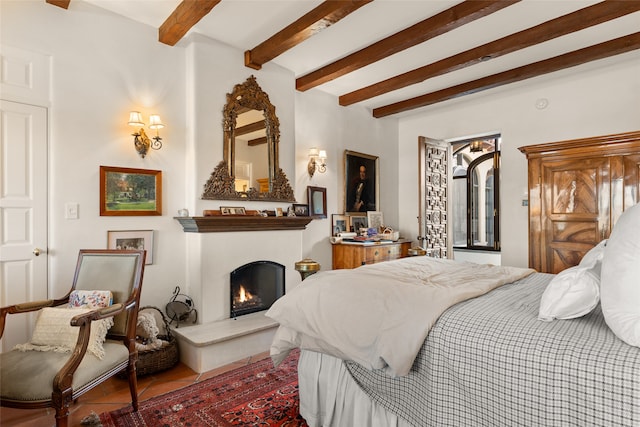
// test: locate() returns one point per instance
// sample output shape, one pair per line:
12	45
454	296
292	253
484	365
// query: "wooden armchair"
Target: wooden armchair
38	379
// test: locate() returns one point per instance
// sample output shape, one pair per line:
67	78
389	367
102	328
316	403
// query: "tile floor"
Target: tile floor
114	394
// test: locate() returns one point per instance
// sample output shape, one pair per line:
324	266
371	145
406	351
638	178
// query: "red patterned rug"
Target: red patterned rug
254	395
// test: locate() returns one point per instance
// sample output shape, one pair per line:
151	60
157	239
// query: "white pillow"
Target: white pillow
620	278
575	291
53	332
572	293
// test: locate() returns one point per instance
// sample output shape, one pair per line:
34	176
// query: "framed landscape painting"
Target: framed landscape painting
130	192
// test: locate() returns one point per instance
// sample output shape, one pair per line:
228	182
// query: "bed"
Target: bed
378	350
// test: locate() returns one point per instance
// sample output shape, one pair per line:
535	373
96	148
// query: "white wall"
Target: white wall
321	123
103	66
599	98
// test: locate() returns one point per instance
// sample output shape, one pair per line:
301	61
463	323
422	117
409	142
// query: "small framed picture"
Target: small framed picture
300	209
279	212
317	197
126	191
132	239
358	222
340	224
229	210
375	220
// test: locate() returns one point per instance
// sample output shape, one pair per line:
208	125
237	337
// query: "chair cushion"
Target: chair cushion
90	299
53	332
29	375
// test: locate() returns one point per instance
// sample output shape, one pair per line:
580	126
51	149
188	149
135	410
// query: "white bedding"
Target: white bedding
362	314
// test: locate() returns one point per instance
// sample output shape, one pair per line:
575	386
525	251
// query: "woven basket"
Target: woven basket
151	361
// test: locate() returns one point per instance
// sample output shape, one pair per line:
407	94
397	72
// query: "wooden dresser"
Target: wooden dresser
577	191
352	255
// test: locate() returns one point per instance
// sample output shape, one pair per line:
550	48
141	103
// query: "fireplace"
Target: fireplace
255	287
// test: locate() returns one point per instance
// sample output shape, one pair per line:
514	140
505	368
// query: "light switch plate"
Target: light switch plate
71	211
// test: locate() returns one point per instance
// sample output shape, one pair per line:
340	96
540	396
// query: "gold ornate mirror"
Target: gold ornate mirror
251	132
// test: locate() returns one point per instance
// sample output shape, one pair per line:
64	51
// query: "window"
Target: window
475	193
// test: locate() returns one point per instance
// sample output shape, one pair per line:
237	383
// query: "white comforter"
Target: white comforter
379	315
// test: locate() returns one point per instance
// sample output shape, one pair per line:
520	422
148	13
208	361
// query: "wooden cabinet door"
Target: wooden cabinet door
575	209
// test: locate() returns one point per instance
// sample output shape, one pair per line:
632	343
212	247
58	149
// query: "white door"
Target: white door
23	213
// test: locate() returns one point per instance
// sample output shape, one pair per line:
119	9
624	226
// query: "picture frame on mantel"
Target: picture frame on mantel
130	192
317	199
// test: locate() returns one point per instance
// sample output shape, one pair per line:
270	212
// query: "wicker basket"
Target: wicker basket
151	361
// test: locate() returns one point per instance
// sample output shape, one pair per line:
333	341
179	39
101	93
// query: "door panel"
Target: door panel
575	205
23	213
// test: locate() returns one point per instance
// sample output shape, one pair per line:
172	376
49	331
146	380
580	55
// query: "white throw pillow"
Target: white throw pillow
53	332
620	278
575	291
572	293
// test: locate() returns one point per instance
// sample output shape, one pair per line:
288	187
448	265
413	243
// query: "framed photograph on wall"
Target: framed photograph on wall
130	192
339	224
317	198
132	239
358	221
361	182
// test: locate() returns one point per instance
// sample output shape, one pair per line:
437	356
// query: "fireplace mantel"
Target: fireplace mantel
226	223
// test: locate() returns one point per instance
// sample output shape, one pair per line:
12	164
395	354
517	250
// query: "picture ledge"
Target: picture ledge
227	223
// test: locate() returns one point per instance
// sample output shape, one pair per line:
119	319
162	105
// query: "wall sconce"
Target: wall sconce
317	161
476	146
141	141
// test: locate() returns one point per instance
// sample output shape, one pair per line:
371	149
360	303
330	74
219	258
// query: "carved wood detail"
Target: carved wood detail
577	191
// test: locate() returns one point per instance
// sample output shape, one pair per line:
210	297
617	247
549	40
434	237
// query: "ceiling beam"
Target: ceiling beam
323	16
579	20
185	16
436	25
577	57
251	127
257	141
60	3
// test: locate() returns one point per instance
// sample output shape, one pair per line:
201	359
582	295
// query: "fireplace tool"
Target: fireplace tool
180	308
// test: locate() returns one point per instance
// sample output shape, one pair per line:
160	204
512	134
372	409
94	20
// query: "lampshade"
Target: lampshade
313	152
135	119
155	122
323	154
476	146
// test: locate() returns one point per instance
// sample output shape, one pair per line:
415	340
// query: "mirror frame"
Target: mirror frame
221	184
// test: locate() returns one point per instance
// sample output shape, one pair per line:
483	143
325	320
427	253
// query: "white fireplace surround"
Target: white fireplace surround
218	340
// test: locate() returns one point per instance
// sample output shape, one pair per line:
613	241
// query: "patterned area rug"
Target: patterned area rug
254	395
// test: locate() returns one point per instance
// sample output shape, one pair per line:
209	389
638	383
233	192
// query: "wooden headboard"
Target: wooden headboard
577	191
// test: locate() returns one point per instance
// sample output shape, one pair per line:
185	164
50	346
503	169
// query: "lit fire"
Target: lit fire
244	295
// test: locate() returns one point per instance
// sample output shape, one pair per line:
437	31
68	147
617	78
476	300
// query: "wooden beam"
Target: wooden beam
185	16
445	21
323	16
257	141
571	59
576	21
251	127
60	3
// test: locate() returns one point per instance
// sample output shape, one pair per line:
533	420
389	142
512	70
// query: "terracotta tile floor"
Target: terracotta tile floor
114	394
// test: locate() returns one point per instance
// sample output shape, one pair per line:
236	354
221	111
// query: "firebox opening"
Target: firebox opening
256	286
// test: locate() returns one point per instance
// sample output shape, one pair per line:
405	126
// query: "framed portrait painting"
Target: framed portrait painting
132	240
130	192
361	182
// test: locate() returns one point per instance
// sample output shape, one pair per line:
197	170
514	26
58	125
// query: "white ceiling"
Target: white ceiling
246	23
